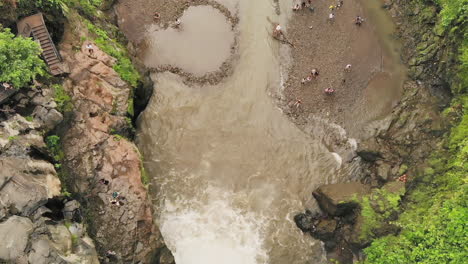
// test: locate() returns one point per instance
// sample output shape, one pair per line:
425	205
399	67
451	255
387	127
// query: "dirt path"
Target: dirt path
329	46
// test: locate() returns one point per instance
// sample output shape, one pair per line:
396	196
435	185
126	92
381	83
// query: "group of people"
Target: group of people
278	34
304	4
116	199
314	73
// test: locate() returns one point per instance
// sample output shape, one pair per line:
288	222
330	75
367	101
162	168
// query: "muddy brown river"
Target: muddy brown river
229	170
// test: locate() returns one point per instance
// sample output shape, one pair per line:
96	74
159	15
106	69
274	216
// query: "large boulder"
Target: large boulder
15	234
341	198
369	150
25	185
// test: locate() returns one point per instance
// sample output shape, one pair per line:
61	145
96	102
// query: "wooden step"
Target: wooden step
51	58
46	49
52	61
49	52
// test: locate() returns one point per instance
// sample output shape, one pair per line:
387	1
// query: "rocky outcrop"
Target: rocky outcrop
340	199
31	229
106	168
352	215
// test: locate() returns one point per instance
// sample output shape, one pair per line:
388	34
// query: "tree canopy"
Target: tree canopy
19	59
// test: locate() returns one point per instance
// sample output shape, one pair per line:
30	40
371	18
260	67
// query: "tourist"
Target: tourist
278	31
297	103
331	16
156	16
359	20
177	23
296	7
339	3
103	181
348	68
7	86
332	8
329	91
115	195
90	49
314	72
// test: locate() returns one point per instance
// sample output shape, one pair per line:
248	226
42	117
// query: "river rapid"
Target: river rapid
229	170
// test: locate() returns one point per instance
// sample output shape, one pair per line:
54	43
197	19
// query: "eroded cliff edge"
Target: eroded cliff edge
89	177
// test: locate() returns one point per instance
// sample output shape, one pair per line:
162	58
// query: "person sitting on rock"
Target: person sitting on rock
296	7
90	49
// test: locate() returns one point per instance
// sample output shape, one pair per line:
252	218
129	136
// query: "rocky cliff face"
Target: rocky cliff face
37	223
106	168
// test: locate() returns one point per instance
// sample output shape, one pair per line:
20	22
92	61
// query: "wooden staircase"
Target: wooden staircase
35	26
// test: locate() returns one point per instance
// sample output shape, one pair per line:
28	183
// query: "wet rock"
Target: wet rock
306	221
339	199
71	209
325	229
383	171
14	233
369	150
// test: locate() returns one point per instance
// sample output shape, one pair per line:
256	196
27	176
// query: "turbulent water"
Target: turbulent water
230	170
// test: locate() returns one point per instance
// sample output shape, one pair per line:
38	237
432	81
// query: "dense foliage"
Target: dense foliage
434	224
19	60
435	217
453	18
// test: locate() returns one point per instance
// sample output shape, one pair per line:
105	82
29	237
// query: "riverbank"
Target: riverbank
366	92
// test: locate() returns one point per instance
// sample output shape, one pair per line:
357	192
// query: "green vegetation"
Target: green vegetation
29	118
19	60
12	138
54	146
62	99
434	223
124	66
376	208
453	18
88	8
435	212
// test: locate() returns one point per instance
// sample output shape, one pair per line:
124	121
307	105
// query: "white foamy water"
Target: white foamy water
229	170
214	232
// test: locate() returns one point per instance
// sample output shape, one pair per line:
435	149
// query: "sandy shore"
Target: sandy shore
329	45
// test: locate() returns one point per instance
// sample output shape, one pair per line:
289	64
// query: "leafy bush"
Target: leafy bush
62	99
19	60
454	18
54	146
